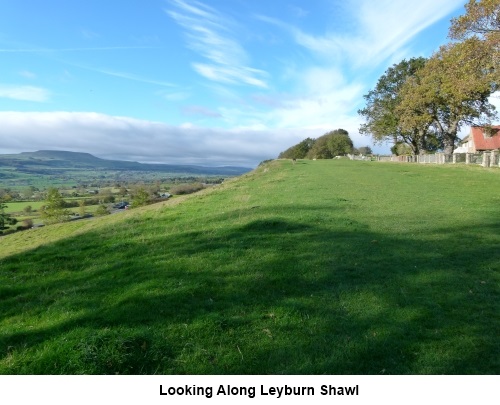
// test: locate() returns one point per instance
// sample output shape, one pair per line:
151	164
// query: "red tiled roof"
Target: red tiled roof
486	143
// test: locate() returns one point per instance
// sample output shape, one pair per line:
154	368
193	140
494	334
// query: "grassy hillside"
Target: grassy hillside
322	267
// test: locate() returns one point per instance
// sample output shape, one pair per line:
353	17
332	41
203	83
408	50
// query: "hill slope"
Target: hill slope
41	162
322	267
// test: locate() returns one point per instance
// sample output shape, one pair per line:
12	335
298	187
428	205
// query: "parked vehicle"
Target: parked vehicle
121	205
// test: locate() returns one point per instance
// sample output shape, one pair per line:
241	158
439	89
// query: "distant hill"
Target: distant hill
43	160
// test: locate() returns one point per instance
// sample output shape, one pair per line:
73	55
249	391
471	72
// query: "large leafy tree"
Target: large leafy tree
320	149
298	151
482	19
381	120
331	144
365	150
451	90
339	143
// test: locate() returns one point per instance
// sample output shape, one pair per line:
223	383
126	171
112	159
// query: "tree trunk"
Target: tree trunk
449	143
449	137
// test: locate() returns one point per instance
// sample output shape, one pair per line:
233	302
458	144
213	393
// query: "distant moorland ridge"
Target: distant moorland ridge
47	159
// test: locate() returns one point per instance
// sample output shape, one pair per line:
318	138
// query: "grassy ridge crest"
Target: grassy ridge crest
318	267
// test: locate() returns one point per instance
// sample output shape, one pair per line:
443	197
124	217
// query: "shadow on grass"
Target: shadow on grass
263	296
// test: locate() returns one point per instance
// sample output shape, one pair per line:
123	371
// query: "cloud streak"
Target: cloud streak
122	75
382	29
200	110
24	93
209	34
27	74
85	49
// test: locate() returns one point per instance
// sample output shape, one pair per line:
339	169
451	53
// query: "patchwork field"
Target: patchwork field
318	267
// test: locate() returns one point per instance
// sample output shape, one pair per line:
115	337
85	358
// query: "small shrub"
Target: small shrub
27	223
140	198
70	204
55	209
109	199
265	162
81	208
101	210
187	188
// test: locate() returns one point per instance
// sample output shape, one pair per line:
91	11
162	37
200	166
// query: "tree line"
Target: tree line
332	144
420	104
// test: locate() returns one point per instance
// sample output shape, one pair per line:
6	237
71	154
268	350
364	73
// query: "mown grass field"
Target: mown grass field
322	267
16	209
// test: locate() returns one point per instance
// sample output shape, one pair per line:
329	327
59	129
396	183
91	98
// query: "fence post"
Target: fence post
486	159
493	158
454	158
467	158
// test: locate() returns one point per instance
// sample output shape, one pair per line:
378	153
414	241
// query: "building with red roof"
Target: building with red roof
480	139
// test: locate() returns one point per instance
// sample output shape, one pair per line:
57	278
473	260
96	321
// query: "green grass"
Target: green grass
16	211
16	207
322	267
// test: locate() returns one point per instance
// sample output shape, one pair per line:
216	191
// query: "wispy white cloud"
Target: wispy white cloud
133	77
89	34
229	74
105	71
200	110
123	75
76	49
146	40
174	96
27	74
390	24
299	11
24	93
382	28
209	33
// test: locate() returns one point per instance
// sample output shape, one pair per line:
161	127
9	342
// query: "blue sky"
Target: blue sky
211	82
